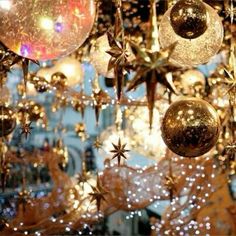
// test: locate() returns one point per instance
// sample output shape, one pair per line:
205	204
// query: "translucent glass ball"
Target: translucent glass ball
191	52
45	29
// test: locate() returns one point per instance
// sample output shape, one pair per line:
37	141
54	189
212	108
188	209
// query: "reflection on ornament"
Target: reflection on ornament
7	120
46	29
71	68
146	142
190	127
100	58
189	18
196	51
192	81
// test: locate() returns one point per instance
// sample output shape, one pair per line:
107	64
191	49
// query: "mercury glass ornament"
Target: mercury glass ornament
190	127
45	29
189	18
7	120
195	51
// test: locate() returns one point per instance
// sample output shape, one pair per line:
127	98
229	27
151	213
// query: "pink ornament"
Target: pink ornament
45	29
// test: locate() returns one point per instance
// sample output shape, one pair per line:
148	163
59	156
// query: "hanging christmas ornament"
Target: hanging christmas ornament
7	120
192	82
202	46
45	29
190	127
59	81
152	64
189	18
71	68
100	58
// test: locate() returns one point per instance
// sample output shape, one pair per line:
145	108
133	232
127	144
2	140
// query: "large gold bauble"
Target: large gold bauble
7	120
189	18
190	127
45	29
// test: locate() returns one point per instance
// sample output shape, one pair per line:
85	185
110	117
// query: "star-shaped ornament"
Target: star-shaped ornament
230	79
152	64
97	144
152	68
231	12
119	151
98	194
26	129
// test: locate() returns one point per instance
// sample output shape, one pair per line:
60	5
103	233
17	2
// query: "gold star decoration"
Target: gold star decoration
9	58
119	151
152	64
118	50
97	144
230	12
26	129
152	68
98	194
230	79
100	98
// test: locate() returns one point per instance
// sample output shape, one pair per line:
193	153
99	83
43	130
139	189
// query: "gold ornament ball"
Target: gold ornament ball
189	18
7	120
190	127
45	29
59	80
200	50
192	81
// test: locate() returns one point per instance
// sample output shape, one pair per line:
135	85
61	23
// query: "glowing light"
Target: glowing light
5	4
46	23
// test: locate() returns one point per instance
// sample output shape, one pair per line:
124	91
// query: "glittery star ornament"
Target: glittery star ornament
119	151
97	144
98	194
26	129
152	64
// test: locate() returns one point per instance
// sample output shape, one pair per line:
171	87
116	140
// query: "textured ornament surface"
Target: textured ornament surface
190	127
45	29
189	18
